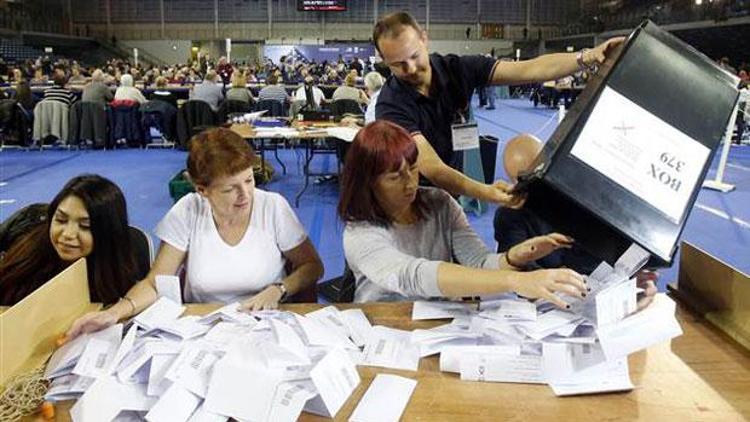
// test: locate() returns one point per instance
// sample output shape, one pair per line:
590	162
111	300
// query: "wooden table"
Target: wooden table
700	376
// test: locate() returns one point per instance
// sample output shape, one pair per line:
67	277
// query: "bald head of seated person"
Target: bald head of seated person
431	92
515	226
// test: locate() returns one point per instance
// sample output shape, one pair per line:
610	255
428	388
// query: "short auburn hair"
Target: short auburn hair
391	25
218	152
380	147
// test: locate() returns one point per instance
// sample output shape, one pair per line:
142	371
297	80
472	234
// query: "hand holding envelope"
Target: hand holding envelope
543	284
91	322
646	280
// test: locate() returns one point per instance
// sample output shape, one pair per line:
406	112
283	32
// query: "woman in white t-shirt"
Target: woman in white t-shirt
234	240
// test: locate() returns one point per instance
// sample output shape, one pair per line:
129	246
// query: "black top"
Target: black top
166	96
454	78
514	226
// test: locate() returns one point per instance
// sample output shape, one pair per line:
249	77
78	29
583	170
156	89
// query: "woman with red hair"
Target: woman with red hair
234	241
406	242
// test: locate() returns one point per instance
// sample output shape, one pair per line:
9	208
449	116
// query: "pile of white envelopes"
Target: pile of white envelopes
272	365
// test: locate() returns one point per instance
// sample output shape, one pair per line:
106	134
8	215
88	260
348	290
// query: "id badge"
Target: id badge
465	136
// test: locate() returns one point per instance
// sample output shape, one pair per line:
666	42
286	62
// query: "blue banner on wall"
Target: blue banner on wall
319	53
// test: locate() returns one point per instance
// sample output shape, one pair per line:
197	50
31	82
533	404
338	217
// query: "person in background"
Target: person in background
58	92
405	242
349	92
514	226
76	78
225	70
234	241
96	90
127	92
273	90
318	95
39	77
239	91
209	91
161	93
86	219
373	82
24	96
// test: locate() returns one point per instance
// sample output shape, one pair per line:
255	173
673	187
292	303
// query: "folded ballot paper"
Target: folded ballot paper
261	366
582	350
273	365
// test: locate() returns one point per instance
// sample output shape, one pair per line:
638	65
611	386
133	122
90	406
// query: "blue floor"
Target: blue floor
720	223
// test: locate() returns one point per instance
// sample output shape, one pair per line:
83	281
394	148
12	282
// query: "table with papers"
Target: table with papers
308	134
697	376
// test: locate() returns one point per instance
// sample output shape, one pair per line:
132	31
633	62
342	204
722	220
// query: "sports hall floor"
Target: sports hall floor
719	223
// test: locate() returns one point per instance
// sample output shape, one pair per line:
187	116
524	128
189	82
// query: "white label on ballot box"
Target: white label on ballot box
642	153
465	136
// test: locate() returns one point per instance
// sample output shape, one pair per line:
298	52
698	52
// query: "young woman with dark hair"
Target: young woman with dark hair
86	219
401	240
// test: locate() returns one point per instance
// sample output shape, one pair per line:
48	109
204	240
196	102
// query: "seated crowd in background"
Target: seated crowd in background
208	80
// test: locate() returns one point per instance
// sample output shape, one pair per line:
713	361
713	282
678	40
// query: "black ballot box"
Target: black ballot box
627	162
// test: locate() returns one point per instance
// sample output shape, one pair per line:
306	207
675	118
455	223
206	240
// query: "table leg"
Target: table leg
306	170
276	154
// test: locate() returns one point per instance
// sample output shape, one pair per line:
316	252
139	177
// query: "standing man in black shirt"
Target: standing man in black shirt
431	92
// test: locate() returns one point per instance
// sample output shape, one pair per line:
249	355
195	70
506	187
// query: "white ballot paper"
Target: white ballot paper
335	324
203	415
222	335
389	348
335	377
160	312
345	133
184	328
317	333
241	385
64	359
157	383
192	368
288	339
135	362
655	324
289	400
169	286
107	397
632	260
604	377
549	323
229	313
450	357
67	387
175	405
98	356
520	368
615	303
440	310
642	153
126	345
251	117
360	328
507	309
385	399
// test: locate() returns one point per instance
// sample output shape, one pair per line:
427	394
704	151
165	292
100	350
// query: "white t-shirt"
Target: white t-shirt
218	272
